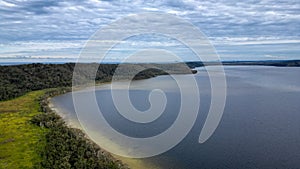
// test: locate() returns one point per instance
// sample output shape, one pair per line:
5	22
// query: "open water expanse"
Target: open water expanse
260	127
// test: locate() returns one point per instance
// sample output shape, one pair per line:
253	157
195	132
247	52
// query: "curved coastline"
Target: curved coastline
74	123
48	108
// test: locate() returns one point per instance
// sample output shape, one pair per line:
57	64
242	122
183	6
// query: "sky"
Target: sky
39	30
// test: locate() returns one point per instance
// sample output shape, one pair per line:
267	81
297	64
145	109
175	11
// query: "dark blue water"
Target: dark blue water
260	127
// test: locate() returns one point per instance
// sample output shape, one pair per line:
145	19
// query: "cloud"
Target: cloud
6	4
41	48
253	40
79	19
223	21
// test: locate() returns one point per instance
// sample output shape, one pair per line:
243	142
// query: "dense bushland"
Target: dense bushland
68	147
17	80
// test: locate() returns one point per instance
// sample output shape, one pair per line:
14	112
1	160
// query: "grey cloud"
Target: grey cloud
63	20
56	19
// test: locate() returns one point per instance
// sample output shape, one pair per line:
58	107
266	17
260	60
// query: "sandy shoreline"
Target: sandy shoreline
74	123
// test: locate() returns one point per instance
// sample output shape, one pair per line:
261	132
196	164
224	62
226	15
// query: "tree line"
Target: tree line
17	80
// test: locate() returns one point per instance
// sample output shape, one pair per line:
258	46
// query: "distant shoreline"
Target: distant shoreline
16	80
288	63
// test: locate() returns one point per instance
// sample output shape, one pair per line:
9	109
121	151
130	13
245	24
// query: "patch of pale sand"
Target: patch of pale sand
71	123
137	163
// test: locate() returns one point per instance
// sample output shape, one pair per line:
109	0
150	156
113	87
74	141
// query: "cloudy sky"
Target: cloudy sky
246	30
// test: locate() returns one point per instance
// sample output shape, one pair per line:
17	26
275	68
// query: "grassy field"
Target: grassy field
20	141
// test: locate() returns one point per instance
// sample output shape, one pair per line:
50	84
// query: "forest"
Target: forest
16	80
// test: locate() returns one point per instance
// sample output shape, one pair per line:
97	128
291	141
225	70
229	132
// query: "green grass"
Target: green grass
20	141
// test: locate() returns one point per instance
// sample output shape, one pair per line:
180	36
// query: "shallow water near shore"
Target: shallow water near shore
259	129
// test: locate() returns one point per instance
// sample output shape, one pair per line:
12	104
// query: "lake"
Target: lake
260	127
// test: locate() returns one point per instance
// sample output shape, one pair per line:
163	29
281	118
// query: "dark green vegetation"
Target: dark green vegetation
279	63
68	147
19	79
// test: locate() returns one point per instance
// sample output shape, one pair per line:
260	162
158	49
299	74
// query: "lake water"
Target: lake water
260	127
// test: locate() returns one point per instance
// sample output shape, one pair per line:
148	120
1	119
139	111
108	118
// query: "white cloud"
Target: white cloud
252	40
7	4
224	21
